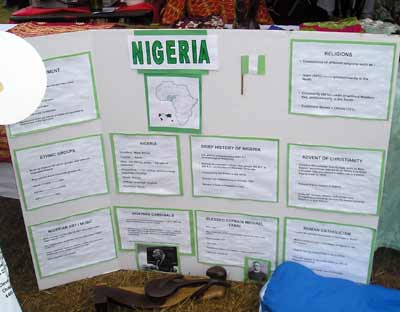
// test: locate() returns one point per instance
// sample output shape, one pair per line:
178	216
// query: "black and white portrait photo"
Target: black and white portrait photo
257	270
158	258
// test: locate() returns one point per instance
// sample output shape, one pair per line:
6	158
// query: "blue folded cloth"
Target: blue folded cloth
295	288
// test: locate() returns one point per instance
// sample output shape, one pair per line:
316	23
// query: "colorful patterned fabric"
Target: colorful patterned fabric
227	11
32	29
263	17
346	25
172	12
203	8
4	150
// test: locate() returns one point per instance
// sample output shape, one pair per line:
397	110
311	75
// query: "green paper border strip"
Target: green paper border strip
381	179
174	72
240	139
74	123
389	104
174	129
115	167
35	255
19	179
277	219
160	245
170	32
191	227
246	268
261	65
373	240
244	64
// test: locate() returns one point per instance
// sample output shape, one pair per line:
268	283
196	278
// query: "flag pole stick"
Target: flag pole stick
241	85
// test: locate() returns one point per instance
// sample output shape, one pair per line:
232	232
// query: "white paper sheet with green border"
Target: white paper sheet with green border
71	95
61	171
235	167
227	238
333	178
330	249
341	78
73	242
147	164
155	226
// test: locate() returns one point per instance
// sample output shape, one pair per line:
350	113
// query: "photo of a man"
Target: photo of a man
158	258
257	270
256	274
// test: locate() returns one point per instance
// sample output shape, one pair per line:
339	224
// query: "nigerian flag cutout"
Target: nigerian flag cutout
251	64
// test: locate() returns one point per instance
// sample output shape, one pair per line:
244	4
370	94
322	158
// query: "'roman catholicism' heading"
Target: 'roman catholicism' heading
174	52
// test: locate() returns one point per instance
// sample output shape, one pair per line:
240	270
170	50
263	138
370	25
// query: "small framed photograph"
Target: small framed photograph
161	258
256	270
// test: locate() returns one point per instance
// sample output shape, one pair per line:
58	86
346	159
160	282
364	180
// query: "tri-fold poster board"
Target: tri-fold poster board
145	149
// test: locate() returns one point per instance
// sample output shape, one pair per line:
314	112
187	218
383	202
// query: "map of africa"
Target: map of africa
180	98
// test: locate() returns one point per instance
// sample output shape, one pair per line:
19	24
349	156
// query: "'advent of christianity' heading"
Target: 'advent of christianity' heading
173	52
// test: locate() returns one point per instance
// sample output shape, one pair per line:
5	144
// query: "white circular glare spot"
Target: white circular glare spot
22	79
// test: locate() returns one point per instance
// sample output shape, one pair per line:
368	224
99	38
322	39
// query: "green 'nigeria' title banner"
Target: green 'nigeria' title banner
173	50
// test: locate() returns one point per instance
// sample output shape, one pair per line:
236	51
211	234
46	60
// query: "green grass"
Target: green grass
4	13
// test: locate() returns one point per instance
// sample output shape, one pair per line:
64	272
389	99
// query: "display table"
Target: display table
143	13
